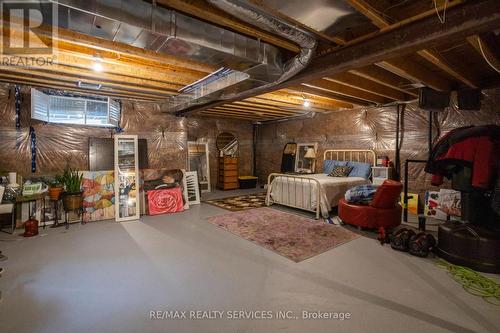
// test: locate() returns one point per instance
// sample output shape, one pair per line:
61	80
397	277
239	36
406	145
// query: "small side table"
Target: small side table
380	174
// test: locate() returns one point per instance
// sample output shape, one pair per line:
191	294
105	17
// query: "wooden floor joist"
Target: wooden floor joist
461	21
416	73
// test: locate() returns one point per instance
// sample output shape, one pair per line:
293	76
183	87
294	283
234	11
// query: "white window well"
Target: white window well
74	110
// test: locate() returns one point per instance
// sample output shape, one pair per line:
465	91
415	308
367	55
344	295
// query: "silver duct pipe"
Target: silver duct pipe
249	13
253	15
145	25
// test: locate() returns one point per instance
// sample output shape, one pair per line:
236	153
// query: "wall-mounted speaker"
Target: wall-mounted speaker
430	99
469	99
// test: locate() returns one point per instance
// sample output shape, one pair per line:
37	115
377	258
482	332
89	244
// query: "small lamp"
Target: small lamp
310	155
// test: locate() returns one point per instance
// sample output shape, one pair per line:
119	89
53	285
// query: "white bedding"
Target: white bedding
332	189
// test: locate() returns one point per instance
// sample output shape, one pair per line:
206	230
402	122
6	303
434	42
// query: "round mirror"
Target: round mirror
227	143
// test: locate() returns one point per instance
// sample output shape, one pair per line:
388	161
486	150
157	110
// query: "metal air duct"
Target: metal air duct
255	16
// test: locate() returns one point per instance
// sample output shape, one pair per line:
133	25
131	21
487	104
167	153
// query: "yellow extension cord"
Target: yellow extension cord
473	282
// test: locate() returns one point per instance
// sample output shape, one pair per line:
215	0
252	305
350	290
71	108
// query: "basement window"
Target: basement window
75	110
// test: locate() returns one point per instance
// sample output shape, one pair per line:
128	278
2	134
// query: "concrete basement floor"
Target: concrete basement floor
108	276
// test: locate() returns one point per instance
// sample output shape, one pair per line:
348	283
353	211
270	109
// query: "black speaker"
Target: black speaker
430	99
469	99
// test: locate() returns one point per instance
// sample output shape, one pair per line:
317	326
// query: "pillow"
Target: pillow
360	169
340	171
362	194
329	164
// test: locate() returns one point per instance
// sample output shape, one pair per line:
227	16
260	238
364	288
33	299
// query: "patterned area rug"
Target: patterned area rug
292	236
241	202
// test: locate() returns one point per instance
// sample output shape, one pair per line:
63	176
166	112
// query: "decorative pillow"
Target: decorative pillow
360	169
328	165
340	171
362	194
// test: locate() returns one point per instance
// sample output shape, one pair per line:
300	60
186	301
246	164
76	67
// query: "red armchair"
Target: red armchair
383	212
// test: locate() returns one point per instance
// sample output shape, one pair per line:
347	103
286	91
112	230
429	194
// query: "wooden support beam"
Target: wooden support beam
461	21
357	82
383	77
415	73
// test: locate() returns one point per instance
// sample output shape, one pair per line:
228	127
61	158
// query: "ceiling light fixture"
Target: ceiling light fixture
97	65
306	102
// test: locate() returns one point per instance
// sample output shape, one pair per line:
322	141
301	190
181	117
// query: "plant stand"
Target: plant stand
56	214
79	211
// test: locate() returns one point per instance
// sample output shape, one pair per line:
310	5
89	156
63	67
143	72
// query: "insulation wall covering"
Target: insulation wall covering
62	145
371	128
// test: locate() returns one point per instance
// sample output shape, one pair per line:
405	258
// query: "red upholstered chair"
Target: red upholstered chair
383	212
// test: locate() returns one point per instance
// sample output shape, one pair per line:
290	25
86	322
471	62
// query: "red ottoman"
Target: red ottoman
383	212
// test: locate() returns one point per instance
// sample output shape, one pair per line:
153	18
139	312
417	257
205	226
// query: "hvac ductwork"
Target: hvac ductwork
145	25
255	16
254	64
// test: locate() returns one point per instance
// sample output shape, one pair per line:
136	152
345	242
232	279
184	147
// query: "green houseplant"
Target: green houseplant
72	198
56	187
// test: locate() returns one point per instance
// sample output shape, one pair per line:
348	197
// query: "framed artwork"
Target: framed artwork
163	201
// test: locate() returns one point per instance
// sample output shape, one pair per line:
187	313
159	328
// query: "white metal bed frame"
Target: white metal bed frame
355	155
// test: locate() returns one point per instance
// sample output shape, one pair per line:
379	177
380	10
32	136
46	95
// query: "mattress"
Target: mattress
301	193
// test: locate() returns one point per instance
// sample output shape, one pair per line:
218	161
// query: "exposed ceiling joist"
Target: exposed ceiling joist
344	90
258	110
22	72
296	96
330	100
461	21
71	40
55	85
416	73
436	59
383	77
382	22
305	87
486	48
357	82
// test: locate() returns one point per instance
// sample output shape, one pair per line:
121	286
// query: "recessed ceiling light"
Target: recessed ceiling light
307	103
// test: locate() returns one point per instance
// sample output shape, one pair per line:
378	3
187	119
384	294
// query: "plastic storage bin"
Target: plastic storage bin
247	181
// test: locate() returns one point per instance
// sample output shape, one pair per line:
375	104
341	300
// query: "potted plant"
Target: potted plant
72	198
55	188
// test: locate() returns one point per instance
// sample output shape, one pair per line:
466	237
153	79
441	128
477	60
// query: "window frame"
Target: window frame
42	101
